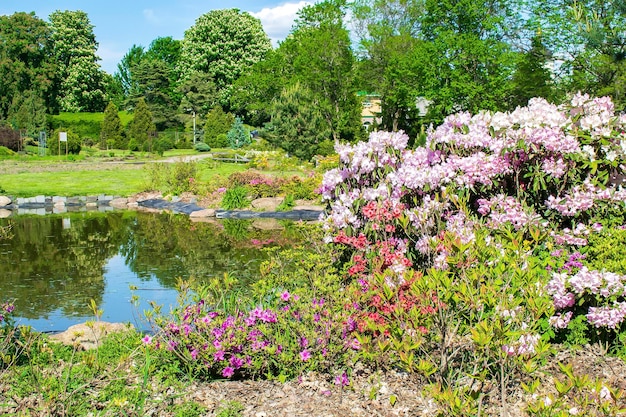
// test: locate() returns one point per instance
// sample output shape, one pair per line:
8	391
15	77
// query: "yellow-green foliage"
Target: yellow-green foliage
86	125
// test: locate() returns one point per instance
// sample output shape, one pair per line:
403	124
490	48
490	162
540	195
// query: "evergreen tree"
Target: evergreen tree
532	78
237	135
297	126
217	124
111	132
141	129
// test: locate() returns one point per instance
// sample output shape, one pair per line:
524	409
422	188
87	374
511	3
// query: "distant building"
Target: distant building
371	110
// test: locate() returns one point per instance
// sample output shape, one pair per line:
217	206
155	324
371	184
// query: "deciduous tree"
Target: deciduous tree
81	85
224	44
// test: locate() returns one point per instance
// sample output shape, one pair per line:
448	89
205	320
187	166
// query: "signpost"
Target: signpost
62	138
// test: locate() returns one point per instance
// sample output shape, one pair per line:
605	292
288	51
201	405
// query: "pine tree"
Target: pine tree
237	135
111	132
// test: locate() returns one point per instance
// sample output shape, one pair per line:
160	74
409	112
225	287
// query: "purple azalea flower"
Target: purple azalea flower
305	355
228	372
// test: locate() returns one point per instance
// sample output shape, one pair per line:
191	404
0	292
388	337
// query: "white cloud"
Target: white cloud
151	16
277	21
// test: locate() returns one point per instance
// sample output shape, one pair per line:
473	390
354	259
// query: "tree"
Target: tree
125	68
199	94
237	135
82	85
532	77
259	86
153	86
28	113
111	133
297	126
472	66
141	129
224	44
588	37
26	66
217	123
394	59
320	54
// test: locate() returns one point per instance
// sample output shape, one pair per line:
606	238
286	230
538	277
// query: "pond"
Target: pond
54	265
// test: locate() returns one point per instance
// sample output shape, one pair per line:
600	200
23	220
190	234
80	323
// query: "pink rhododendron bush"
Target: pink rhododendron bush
490	212
459	262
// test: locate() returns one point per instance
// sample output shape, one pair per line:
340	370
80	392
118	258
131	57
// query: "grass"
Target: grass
104	172
122	182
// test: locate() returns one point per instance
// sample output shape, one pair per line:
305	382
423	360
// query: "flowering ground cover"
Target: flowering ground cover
472	264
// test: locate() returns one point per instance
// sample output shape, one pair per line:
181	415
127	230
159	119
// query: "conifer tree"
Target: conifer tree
237	135
141	128
111	132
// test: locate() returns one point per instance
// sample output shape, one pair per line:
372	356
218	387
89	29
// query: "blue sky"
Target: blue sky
118	25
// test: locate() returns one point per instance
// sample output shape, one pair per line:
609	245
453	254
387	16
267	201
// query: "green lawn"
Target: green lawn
122	182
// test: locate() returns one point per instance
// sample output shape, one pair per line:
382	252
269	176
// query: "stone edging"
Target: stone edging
42	205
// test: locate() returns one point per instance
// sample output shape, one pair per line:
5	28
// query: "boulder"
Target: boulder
4	201
4	213
202	213
267	203
89	335
119	203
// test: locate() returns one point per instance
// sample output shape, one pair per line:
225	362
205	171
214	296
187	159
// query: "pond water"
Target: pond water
52	266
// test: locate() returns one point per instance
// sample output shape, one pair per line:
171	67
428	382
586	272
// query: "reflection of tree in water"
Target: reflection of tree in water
57	267
171	246
52	267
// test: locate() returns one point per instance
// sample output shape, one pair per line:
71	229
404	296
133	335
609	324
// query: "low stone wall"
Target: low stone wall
42	204
150	201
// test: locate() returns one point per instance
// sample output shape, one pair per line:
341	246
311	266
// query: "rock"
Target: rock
87	335
120	203
202	213
4	213
267	204
267	224
4	201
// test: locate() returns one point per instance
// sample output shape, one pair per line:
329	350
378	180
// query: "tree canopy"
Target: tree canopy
224	44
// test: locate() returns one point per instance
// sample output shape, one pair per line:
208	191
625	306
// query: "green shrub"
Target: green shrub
174	178
202	147
235	198
606	250
73	144
287	204
302	188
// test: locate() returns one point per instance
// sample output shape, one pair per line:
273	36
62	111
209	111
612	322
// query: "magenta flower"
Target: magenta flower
228	372
218	356
305	355
285	296
147	339
342	380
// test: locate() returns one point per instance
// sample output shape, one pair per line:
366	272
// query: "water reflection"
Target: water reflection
52	266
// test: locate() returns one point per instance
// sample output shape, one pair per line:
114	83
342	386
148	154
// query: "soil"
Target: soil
390	393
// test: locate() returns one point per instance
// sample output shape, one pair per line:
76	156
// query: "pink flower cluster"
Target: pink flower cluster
534	166
607	288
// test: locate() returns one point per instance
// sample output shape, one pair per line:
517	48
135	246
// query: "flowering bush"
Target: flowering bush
7	335
590	305
541	165
299	324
